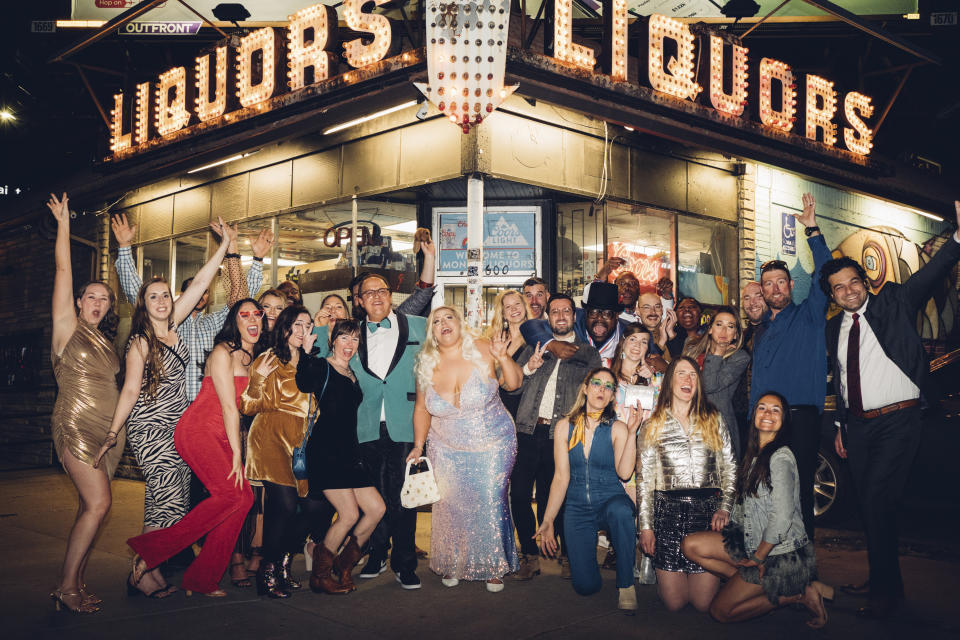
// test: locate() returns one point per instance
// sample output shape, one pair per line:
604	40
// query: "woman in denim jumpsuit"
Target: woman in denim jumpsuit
597	453
764	552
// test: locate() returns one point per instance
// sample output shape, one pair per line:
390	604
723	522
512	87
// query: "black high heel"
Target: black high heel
133	590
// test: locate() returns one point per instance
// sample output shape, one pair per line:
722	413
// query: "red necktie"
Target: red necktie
854	399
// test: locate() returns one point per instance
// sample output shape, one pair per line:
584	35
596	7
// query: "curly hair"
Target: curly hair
429	355
229	334
832	267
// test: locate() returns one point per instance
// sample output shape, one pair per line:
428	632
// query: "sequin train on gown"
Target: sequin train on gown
472	449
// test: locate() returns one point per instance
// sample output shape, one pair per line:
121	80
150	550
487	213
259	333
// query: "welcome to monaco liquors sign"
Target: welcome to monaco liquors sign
465	52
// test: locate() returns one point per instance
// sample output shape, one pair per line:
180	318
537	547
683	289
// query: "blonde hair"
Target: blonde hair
705	344
496	323
704	418
429	356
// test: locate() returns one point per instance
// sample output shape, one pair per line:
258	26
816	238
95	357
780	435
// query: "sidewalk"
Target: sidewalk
37	507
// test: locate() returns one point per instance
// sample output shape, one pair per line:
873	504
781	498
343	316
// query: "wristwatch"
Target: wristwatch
809	231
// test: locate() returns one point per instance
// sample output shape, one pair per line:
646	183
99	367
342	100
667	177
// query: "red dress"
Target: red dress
201	440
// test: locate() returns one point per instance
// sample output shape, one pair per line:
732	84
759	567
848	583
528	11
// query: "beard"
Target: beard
562	332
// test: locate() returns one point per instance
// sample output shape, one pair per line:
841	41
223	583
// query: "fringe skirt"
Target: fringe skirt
785	574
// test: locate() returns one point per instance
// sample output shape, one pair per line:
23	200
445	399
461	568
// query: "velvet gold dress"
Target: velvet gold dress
280	424
472	448
86	373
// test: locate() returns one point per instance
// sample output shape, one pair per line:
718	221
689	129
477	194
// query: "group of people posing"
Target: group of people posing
626	416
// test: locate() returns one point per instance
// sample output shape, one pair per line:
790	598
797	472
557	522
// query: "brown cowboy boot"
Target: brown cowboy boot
321	579
346	561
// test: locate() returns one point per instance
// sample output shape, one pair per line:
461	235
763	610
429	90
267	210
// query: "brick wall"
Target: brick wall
26	288
746	226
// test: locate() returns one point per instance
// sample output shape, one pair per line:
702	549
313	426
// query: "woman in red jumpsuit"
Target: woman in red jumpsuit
208	439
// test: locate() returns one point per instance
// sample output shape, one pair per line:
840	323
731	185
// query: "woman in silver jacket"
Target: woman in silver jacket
764	553
685	483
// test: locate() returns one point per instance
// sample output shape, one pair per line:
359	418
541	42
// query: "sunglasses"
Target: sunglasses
602	384
247	314
774	264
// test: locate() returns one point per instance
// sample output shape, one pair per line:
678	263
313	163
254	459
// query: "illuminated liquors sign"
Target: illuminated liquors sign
466	49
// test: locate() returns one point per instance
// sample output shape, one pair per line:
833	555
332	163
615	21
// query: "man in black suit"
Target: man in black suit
880	375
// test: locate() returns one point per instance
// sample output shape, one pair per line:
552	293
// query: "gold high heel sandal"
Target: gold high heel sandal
87	597
84	607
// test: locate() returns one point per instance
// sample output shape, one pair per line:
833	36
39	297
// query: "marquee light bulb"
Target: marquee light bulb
211	108
263	40
564	48
820	90
678	79
303	55
783	119
118	140
357	53
732	103
858	137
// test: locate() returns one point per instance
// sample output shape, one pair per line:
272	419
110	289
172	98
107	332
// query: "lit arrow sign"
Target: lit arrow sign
466	58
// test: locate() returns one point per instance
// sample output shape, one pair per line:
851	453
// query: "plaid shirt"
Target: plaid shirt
198	329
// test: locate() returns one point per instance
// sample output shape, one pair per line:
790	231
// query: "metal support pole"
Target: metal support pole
474	314
353	235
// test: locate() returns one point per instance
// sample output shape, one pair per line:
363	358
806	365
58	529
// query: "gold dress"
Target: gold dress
86	374
280	424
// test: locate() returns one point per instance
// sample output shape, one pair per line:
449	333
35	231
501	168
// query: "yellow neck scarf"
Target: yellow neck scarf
579	428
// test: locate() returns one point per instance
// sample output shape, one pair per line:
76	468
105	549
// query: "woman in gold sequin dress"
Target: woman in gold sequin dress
85	365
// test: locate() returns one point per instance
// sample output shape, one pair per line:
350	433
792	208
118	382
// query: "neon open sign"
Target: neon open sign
229	85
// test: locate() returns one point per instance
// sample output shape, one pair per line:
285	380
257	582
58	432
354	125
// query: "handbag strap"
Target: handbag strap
312	413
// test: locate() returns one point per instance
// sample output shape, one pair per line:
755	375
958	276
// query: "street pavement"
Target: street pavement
38	506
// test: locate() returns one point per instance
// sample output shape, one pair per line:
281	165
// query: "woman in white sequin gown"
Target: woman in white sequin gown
472	444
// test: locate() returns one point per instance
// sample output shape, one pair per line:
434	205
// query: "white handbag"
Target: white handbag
419	488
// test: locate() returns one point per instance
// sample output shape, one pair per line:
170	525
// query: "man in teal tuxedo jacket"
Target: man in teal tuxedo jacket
384	368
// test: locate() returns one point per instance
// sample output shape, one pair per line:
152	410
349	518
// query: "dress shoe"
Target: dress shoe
529	567
565	568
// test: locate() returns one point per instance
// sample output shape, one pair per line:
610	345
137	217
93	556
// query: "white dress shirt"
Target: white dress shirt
381	345
882	382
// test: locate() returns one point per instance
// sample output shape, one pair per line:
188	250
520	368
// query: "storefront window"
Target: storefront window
579	244
455	295
156	261
707	260
314	247
641	236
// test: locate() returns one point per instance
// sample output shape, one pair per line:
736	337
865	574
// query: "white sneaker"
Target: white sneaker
449	582
494	587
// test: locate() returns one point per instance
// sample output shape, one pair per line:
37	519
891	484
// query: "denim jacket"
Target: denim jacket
773	515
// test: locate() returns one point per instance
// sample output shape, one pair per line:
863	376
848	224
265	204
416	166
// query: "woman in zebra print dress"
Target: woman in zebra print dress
154	397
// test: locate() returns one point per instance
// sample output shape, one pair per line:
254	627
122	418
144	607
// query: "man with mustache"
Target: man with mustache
550	386
879	375
752	304
688	318
790	356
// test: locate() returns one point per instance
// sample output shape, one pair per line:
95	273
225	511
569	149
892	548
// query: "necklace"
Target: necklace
343	370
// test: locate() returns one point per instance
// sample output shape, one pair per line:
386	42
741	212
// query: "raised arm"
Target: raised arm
64	315
545	536
238	289
132	383
125	233
261	248
816	301
421	425
920	285
201	282
221	371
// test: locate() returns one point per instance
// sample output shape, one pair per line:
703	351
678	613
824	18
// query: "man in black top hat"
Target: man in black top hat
597	324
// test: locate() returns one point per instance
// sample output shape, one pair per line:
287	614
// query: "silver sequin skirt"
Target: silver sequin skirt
677	514
784	574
